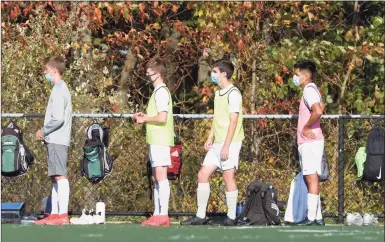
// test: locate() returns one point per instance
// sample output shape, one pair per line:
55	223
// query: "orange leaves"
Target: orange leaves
284	69
175	8
278	79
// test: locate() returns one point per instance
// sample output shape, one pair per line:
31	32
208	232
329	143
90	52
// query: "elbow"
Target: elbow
163	120
319	113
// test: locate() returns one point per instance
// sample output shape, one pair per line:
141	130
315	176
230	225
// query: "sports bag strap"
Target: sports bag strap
149	174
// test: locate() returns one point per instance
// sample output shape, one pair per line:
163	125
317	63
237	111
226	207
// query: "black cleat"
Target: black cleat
306	222
195	221
229	222
320	222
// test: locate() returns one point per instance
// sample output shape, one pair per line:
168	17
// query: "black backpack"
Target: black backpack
375	155
16	158
96	163
261	206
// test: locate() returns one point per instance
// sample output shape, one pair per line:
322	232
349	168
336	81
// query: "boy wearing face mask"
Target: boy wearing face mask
223	144
310	138
56	134
160	137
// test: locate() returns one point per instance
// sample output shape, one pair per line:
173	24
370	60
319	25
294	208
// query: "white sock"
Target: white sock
54	200
156	199
231	200
203	195
164	196
312	204
63	195
319	212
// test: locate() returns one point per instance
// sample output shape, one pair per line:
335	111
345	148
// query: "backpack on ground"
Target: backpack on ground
173	171
261	206
97	162
16	158
375	155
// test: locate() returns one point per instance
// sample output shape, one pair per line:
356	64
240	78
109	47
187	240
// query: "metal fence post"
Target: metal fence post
341	175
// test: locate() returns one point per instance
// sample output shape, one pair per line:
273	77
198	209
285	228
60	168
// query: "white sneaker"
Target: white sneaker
84	219
75	220
354	219
369	219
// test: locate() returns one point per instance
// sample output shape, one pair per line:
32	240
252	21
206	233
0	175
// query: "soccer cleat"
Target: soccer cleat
229	222
306	222
149	220
62	219
353	219
320	222
44	220
369	219
158	220
195	221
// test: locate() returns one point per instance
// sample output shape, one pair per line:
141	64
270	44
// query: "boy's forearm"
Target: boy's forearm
230	133
160	118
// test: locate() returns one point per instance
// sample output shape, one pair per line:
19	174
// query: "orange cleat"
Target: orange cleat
62	219
44	220
159	220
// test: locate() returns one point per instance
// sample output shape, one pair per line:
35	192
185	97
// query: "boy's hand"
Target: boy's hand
225	153
141	118
208	144
323	106
308	133
136	115
39	135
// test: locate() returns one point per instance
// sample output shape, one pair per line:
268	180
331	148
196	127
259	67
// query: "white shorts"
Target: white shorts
310	156
159	155
213	156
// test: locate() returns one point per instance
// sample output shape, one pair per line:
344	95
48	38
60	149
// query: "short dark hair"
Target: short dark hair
57	62
224	66
157	64
306	65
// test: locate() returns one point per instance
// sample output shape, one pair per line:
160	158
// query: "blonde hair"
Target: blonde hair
57	62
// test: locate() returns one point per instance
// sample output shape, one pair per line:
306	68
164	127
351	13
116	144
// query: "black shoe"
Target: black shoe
195	221
229	222
306	222
320	222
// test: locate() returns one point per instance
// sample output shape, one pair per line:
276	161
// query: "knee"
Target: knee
202	176
229	177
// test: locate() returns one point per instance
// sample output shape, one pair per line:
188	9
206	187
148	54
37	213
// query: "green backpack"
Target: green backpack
16	158
360	161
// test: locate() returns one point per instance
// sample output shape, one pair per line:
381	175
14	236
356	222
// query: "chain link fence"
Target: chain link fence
268	153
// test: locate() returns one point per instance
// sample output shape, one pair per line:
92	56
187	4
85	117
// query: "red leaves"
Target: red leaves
240	45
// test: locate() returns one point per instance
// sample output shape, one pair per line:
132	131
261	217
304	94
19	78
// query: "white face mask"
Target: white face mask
296	80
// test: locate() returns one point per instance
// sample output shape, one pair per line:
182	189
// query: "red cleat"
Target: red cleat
149	220
159	220
62	219
44	220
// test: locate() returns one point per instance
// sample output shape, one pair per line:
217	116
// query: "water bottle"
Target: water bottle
239	209
101	209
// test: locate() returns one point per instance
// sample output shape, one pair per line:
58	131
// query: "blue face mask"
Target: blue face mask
296	80
49	78
214	78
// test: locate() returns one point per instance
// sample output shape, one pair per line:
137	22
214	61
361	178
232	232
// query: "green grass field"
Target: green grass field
137	233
